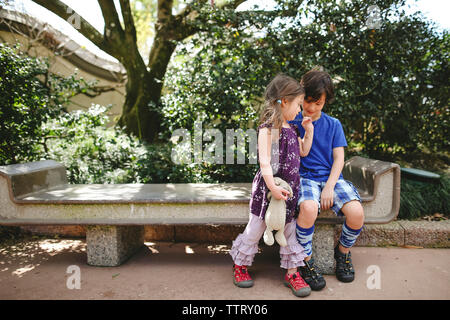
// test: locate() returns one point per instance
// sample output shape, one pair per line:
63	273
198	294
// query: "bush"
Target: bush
157	167
419	198
29	96
392	87
91	152
24	104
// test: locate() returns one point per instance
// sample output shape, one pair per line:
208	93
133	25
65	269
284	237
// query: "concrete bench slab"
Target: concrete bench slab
38	193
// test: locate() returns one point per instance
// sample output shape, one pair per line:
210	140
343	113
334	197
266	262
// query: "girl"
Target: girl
283	98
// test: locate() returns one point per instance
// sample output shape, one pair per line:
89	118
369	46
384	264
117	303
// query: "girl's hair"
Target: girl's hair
317	81
281	87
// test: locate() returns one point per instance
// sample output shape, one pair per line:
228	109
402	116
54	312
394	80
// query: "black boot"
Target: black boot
312	276
344	266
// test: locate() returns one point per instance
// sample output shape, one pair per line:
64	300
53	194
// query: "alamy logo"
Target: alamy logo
188	150
74	19
374	19
374	280
73	281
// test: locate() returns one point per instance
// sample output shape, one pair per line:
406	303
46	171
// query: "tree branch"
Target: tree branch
184	27
232	5
164	10
85	28
113	27
130	28
98	90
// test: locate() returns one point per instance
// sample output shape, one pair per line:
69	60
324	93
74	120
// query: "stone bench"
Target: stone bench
38	193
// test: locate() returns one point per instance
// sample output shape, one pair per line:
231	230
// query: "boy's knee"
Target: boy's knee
308	213
354	213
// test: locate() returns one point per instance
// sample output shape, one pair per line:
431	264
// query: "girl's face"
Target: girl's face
290	109
313	108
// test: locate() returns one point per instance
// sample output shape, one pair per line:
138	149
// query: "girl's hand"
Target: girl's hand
279	193
307	124
326	198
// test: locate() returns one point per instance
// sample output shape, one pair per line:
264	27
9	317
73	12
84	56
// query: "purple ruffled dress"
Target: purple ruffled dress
287	168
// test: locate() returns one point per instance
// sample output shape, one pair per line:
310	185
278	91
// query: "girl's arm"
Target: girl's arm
264	150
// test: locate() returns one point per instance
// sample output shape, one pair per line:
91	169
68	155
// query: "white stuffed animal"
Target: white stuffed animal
276	216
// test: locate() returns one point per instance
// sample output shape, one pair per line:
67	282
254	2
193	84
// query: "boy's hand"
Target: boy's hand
326	198
279	193
307	124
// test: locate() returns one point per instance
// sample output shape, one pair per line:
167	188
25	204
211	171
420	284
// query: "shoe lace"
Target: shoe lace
297	281
311	270
241	273
347	264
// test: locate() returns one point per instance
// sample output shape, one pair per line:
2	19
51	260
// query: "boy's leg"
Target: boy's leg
308	211
347	202
309	202
354	221
305	225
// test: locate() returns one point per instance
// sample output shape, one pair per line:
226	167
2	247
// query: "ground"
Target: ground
40	269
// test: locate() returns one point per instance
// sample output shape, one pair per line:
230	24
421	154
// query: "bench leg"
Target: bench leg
110	246
323	248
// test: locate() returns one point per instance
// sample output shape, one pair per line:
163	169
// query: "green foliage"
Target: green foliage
29	95
145	16
91	152
391	95
156	166
24	104
392	87
419	198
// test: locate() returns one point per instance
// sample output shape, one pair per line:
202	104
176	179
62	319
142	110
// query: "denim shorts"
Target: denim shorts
344	191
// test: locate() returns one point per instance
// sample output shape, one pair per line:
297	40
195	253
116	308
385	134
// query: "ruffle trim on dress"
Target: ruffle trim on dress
292	256
242	252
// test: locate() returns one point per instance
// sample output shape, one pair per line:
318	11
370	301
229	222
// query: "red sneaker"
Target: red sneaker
241	277
298	286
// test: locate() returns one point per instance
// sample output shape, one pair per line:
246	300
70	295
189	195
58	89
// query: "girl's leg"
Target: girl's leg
245	246
293	255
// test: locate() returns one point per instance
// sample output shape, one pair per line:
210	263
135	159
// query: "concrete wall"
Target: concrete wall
88	65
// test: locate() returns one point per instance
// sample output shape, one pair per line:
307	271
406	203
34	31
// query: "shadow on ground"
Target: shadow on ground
38	268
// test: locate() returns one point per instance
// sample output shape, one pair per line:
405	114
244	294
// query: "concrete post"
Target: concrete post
110	246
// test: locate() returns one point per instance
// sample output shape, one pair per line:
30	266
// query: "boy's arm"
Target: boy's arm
306	142
326	200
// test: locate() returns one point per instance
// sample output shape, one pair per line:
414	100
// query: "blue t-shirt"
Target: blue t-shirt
328	134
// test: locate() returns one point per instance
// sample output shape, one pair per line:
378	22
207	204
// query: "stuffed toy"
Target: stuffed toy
276	216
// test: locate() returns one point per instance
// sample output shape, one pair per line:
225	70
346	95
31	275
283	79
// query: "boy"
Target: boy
321	184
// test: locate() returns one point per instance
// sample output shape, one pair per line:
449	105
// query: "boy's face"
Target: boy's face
313	108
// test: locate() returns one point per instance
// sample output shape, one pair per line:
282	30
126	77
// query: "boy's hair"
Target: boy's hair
316	81
281	87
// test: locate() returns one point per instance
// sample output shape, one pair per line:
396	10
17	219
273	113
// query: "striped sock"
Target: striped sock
304	237
349	235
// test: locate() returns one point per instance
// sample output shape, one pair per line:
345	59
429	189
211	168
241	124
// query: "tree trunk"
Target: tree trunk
144	88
